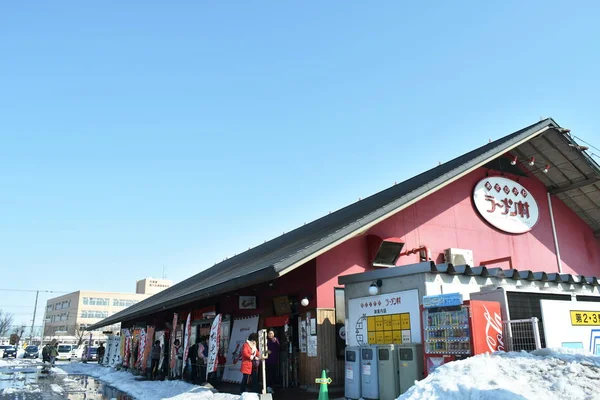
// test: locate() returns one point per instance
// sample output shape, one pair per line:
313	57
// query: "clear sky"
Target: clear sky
142	134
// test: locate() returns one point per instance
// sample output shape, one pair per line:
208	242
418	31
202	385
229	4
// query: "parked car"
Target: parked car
77	352
93	354
9	351
64	352
31	352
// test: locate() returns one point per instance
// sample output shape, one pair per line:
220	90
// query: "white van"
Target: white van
64	351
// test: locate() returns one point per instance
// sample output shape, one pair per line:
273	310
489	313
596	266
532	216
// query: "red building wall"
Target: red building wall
448	219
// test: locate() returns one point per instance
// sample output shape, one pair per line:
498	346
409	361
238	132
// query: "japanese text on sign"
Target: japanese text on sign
505	204
520	208
443	300
585	317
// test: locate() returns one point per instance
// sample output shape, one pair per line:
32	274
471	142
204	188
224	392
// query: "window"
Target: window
123	303
86	301
527	305
93	314
50	307
340	320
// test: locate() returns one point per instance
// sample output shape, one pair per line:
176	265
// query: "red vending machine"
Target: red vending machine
454	329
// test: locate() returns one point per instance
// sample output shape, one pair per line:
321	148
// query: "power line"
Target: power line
589	144
31	291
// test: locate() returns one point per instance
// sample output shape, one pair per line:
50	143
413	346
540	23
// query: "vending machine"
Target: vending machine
454	329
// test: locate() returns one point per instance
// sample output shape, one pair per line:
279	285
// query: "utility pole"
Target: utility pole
37	293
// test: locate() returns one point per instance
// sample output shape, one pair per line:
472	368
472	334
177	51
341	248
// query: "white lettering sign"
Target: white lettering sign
505	204
495	323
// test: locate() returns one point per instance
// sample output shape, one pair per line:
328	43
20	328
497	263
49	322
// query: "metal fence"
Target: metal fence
522	334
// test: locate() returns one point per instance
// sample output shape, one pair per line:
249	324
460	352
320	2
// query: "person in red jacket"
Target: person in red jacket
250	357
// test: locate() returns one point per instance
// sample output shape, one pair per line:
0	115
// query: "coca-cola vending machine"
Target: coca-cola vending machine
454	329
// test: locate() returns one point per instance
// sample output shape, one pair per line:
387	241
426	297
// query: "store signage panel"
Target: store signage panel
442	300
585	318
391	318
570	324
505	204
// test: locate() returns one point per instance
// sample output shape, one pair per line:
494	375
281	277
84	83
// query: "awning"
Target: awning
273	322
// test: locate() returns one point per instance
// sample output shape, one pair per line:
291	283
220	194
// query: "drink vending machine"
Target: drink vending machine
454	329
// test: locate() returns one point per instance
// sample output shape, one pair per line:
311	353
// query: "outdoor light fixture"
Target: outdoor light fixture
546	168
532	161
304	301
374	288
513	161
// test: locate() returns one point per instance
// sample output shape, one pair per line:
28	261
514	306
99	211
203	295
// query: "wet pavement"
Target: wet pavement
28	382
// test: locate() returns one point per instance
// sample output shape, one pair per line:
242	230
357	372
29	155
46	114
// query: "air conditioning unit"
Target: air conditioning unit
459	257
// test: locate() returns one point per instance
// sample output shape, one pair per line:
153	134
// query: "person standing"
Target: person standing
155	358
179	359
53	352
193	357
250	357
272	362
101	350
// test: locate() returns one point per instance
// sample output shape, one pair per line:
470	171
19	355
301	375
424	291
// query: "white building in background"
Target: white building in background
67	316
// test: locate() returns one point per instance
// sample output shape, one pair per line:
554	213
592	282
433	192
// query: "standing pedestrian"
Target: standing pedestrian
272	362
250	359
193	358
179	359
101	350
155	358
53	352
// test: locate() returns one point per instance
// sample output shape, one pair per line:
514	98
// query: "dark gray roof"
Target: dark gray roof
450	269
280	255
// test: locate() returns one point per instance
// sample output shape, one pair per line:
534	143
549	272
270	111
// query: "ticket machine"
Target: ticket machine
389	388
369	373
410	364
352	374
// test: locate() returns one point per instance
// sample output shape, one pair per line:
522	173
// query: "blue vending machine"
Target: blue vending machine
369	372
352	374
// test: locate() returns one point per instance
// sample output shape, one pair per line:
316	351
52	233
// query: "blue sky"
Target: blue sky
146	134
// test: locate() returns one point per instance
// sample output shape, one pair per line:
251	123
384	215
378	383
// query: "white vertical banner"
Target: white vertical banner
186	341
242	328
108	350
213	345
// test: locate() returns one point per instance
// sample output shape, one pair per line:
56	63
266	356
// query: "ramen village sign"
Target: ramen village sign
506	205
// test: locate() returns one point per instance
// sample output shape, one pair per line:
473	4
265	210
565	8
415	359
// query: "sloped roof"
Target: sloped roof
282	254
483	271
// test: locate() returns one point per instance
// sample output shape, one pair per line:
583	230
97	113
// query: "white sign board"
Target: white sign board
242	328
384	319
505	204
213	345
572	324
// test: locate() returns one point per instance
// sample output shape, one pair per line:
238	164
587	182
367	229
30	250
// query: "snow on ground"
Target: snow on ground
147	390
543	374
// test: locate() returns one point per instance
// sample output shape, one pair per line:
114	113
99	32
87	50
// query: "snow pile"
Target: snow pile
148	390
564	374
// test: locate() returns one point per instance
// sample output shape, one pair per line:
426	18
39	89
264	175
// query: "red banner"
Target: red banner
173	334
487	327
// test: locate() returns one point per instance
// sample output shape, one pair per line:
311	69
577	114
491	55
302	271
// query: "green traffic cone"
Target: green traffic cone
323	392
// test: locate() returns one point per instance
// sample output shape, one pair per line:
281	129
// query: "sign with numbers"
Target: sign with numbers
586	318
571	324
391	318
